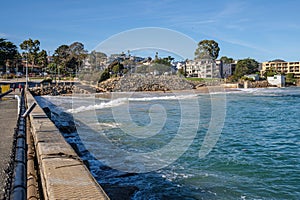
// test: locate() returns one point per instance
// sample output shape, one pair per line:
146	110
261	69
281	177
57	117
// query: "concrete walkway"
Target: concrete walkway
63	174
8	121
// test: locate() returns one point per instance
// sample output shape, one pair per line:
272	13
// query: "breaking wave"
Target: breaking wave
102	105
121	101
173	97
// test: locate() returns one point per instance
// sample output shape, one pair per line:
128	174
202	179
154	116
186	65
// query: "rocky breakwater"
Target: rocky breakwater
52	90
255	84
140	82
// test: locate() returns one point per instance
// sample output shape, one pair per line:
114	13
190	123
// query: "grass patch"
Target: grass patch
203	79
195	79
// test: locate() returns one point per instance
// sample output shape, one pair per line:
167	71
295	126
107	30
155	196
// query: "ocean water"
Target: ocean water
242	144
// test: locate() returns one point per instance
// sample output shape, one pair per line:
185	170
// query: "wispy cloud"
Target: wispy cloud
293	26
224	15
231	9
3	35
192	22
227	24
245	44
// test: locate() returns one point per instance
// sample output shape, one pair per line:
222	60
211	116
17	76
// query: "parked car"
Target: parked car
43	74
19	74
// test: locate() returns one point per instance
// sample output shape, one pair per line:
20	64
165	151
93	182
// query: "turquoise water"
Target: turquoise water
256	155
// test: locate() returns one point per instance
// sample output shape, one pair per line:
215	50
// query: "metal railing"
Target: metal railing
5	93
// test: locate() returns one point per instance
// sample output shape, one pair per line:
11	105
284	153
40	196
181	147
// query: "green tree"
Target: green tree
118	68
17	61
8	52
164	61
104	75
269	72
42	59
77	55
32	48
290	78
245	66
226	60
51	68
70	57
207	49
61	55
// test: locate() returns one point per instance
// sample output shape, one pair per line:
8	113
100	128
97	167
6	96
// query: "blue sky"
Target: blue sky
259	29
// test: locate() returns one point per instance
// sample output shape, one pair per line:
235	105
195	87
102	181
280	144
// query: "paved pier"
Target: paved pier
8	121
63	174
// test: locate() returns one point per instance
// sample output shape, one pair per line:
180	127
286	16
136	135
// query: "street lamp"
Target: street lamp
26	86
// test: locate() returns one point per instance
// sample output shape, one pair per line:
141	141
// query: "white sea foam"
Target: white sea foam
121	101
104	125
102	105
173	97
267	91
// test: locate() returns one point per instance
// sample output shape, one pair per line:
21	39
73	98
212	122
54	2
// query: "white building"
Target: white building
277	80
204	68
180	65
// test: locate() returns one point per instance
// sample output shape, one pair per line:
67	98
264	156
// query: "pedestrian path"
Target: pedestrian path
8	121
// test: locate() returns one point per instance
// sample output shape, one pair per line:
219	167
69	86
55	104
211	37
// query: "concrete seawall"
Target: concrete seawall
63	174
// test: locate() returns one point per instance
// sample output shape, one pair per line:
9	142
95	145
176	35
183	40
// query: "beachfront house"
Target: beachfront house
277	80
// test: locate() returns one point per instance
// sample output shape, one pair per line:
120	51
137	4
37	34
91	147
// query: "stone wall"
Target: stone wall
52	90
254	84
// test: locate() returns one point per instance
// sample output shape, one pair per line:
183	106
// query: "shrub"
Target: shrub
104	76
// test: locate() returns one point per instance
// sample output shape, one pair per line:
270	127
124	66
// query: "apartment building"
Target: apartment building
203	68
282	67
228	68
